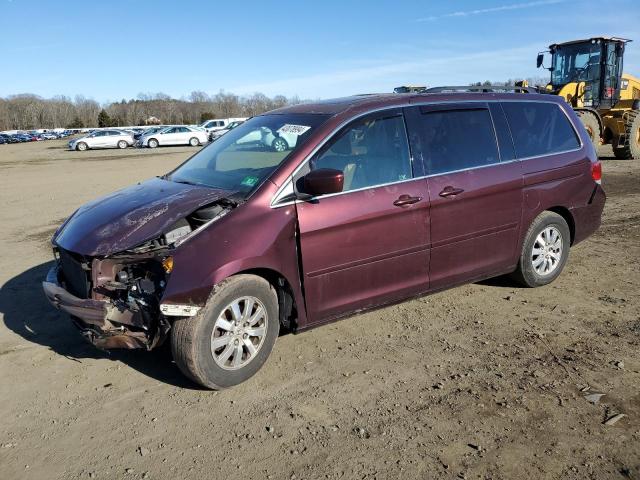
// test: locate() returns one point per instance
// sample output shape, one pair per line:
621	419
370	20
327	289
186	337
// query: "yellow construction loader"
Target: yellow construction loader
588	75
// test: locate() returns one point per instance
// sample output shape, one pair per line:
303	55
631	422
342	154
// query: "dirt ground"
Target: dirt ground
483	381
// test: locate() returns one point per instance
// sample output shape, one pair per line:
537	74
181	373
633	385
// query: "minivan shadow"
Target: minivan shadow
503	281
27	312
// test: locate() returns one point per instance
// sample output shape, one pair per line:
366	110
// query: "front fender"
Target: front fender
251	237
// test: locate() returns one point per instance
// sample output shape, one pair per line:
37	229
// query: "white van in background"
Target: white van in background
218	123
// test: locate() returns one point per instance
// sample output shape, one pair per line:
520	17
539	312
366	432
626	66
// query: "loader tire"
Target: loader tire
631	148
591	124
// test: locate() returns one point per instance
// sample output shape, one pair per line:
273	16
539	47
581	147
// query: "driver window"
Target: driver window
370	152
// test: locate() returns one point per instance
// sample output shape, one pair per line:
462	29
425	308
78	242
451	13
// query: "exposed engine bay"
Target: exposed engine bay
115	299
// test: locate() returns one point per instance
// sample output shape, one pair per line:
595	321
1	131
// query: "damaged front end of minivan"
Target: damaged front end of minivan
113	294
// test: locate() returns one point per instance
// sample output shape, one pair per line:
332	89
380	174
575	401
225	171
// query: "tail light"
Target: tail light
596	172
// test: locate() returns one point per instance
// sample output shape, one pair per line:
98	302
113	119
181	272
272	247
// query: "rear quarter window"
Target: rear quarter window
539	128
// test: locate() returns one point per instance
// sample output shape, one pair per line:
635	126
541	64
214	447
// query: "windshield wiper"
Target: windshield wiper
186	182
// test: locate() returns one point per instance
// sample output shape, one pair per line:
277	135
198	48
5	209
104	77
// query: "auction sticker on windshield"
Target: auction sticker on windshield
293	129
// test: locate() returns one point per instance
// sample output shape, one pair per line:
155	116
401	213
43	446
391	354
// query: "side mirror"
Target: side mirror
323	181
539	60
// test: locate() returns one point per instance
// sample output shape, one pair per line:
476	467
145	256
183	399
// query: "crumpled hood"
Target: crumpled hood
131	216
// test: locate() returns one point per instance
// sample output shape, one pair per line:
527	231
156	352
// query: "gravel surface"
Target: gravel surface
483	381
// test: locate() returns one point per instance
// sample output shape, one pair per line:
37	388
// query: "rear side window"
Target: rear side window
539	128
457	139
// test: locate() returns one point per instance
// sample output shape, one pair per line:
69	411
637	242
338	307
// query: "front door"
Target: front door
168	137
475	190
367	245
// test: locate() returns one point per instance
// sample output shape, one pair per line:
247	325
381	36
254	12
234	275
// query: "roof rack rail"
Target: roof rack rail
482	88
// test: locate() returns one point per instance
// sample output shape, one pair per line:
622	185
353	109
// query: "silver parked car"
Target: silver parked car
102	139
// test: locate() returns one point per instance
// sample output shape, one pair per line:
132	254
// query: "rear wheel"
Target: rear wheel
122	144
82	146
194	142
591	124
631	149
545	250
152	143
231	338
279	144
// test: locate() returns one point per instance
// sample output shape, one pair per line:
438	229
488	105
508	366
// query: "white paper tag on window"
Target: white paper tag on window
293	129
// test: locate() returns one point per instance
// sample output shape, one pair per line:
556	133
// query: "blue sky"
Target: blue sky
109	50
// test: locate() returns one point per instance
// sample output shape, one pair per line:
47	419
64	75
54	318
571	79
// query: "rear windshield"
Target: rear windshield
539	128
244	157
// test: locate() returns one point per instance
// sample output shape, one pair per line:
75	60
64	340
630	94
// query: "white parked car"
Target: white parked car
264	137
102	139
218	123
180	135
218	133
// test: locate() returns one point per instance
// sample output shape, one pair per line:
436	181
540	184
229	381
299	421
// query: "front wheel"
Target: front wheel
82	146
122	144
194	142
152	143
229	340
545	250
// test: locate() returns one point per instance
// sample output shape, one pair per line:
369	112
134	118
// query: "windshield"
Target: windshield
243	158
576	62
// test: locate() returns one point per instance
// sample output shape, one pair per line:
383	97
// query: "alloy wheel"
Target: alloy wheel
547	251
238	333
279	145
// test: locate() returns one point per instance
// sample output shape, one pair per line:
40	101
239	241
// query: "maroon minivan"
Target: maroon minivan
369	200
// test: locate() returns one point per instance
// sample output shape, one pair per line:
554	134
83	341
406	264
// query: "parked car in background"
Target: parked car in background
102	139
8	138
177	135
25	137
218	133
49	136
218	123
267	138
148	131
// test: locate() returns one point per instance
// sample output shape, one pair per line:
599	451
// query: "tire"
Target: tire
591	124
527	273
82	147
152	143
194	142
192	338
631	149
279	144
122	144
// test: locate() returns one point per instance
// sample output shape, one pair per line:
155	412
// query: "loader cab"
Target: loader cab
587	72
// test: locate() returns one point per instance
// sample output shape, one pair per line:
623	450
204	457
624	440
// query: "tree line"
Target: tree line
28	111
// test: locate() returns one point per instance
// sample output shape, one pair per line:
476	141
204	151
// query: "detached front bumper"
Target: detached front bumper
101	322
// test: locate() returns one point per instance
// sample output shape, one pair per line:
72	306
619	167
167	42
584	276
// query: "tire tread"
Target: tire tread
521	275
187	331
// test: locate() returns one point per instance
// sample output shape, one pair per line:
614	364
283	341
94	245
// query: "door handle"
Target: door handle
406	200
451	192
